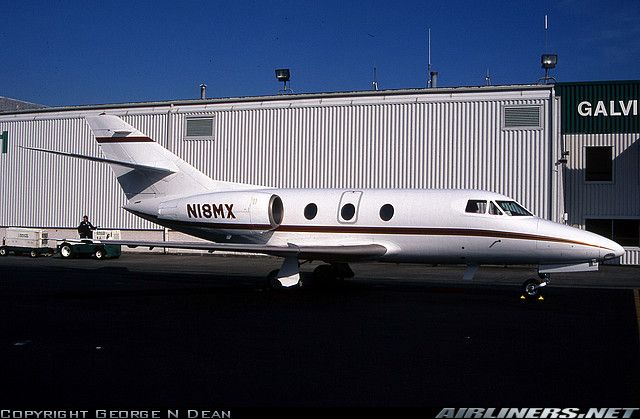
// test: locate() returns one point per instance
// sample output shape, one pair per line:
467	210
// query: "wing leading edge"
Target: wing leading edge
325	253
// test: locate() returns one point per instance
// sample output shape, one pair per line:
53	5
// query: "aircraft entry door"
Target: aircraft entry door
348	209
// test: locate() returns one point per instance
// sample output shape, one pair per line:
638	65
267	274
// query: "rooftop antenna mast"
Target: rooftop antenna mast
547	60
432	76
546	33
487	78
429	61
374	83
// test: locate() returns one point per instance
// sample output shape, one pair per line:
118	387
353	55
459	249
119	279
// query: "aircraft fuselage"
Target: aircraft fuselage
420	226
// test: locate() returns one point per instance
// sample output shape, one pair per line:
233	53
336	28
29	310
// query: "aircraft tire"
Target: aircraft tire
323	273
531	288
272	280
327	276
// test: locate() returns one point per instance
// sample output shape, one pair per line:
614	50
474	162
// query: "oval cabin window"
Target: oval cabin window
386	212
348	211
310	211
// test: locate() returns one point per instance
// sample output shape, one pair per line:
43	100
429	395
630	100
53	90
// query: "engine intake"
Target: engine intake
276	210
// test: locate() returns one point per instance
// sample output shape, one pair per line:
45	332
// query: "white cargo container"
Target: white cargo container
107	235
34	242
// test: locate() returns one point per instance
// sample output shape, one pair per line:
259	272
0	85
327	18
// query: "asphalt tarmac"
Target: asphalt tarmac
168	330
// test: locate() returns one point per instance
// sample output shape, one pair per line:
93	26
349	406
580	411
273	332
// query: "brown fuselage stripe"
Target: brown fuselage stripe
417	231
103	140
414	231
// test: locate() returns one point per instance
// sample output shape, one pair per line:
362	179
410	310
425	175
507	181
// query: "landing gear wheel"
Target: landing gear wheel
3	251
531	288
33	254
323	273
100	253
330	276
66	251
272	280
274	283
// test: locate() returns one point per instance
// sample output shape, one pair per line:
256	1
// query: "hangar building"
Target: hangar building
568	151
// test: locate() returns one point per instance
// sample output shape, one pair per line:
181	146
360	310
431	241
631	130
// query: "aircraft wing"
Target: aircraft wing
325	253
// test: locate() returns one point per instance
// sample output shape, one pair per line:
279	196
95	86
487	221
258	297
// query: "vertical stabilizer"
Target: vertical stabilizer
122	142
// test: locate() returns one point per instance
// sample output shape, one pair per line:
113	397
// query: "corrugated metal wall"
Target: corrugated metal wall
603	199
416	145
603	113
631	257
426	140
617	199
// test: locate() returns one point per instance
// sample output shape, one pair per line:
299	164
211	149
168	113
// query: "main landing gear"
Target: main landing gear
332	275
532	288
324	276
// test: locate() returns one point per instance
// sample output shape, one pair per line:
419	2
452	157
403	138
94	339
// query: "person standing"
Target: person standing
85	229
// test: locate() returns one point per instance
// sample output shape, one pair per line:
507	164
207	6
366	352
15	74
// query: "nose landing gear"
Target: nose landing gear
532	288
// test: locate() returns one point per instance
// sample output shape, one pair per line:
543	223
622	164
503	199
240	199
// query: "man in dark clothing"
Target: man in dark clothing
85	228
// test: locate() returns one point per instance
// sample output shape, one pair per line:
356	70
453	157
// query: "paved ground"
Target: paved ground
154	330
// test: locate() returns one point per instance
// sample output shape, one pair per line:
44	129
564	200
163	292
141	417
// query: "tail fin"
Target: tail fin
143	167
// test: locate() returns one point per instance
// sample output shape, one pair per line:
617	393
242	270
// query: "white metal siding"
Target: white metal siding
40	189
424	140
617	199
631	257
405	145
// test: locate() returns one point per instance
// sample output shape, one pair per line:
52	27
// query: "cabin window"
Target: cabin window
513	208
476	206
348	211
493	209
386	212
598	164
310	211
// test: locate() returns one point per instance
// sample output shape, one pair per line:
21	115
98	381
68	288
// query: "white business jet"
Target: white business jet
337	226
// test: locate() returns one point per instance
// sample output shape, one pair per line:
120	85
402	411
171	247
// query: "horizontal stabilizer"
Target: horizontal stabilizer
326	253
130	165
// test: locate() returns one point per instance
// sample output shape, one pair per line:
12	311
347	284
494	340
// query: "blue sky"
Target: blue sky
87	52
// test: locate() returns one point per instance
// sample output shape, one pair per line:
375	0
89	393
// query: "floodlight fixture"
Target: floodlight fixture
549	61
283	75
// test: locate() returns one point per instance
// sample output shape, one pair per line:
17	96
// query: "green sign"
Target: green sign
600	107
5	141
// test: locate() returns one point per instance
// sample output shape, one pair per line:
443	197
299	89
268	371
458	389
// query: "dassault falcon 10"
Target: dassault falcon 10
336	226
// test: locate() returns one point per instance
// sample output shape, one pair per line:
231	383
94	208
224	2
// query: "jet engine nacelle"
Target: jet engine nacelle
257	209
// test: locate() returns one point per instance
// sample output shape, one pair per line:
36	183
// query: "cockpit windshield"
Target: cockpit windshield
476	206
513	208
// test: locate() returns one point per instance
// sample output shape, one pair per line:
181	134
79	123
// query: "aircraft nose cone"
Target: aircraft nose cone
614	250
618	250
